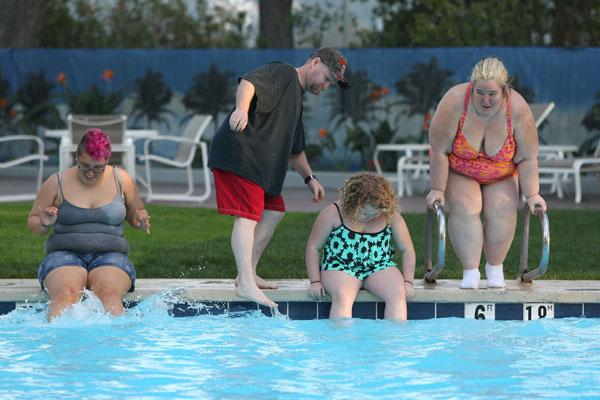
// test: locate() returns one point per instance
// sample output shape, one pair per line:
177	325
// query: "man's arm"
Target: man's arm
243	96
300	165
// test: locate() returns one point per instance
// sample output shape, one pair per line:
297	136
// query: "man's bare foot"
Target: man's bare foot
260	282
252	292
263	284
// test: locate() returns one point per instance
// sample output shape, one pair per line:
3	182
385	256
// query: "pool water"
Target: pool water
149	354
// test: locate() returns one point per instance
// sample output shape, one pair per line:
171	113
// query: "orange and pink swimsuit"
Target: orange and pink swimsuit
465	160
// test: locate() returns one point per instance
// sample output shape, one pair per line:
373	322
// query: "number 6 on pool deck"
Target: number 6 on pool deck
480	311
537	311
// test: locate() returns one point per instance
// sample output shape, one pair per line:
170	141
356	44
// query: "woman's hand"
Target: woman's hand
316	290
433	196
141	220
48	215
536	204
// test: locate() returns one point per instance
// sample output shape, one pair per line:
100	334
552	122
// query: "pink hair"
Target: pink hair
97	144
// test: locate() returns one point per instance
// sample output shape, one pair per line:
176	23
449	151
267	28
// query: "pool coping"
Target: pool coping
295	290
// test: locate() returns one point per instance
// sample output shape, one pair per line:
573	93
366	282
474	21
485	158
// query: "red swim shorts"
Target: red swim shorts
239	196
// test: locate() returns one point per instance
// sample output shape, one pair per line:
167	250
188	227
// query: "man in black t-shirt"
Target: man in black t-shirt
252	148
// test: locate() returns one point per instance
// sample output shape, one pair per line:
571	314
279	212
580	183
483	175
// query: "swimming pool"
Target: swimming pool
150	354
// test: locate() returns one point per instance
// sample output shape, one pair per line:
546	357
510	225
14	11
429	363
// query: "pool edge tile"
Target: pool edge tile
7	306
364	310
421	311
302	310
568	310
449	310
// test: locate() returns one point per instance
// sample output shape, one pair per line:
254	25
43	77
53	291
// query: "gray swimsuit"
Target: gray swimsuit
90	230
88	237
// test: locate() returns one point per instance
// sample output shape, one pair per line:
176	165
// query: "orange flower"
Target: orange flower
375	95
426	121
323	132
12	113
3	102
108	74
61	78
384	91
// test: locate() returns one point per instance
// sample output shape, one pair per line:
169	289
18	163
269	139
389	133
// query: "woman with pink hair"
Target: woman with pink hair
85	207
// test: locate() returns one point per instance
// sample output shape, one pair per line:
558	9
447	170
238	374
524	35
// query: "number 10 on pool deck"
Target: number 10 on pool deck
537	311
480	311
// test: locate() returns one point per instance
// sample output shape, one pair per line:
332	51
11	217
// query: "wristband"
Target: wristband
409	282
535	194
314	282
439	190
309	178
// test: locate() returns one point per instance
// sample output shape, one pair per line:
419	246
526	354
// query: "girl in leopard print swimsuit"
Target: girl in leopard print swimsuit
355	236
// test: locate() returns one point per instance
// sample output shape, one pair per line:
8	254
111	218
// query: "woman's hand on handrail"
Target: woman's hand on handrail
435	195
536	204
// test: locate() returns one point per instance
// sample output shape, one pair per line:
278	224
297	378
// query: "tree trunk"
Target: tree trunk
21	22
275	24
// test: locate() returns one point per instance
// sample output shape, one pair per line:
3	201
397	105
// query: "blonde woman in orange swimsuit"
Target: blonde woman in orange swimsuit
483	145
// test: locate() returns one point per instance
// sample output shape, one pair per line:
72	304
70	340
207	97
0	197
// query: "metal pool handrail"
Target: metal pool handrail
430	272
524	274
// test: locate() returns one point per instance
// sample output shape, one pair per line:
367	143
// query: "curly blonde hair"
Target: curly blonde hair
366	188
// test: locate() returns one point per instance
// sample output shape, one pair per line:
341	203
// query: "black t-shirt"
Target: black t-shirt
261	153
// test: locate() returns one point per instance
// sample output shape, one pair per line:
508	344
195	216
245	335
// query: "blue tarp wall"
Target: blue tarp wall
568	77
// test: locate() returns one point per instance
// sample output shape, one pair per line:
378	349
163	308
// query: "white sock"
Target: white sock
470	279
495	275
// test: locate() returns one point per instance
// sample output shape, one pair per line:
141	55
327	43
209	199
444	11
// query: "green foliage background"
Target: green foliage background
141	24
397	23
433	23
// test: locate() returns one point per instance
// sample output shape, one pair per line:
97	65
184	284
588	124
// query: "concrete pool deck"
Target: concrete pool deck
445	290
189	297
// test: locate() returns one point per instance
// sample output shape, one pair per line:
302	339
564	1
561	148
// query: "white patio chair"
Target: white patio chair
418	164
571	166
554	152
113	125
38	156
416	153
557	162
184	156
541	111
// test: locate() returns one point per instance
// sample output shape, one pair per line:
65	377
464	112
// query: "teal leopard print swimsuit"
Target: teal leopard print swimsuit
357	254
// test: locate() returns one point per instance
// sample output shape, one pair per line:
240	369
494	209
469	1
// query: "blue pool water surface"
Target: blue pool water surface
148	354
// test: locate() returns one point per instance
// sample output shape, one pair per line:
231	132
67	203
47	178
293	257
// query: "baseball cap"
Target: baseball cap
336	62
